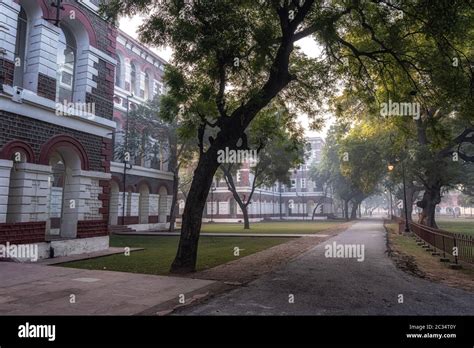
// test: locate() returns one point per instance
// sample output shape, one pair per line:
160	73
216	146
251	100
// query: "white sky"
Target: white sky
130	26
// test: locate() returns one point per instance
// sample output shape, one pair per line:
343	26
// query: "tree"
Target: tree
151	136
278	147
329	173
430	68
233	57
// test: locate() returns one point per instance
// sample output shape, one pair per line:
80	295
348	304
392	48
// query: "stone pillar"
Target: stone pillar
144	208
30	189
9	21
154	204
84	189
114	212
41	69
85	72
135	197
8	30
5	171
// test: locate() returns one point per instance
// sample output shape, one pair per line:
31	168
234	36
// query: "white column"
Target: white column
154	204
87	196
5	170
134	205
85	71
42	53
9	21
30	189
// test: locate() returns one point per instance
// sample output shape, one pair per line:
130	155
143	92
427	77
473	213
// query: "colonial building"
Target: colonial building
62	106
294	201
147	181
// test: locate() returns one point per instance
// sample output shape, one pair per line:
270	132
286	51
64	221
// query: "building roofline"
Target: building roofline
142	46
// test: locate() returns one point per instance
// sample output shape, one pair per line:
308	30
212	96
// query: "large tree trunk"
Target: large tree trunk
412	192
246	217
231	131
346	209
174	208
354	207
314	210
431	198
185	260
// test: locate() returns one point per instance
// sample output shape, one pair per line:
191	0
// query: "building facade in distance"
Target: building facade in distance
291	202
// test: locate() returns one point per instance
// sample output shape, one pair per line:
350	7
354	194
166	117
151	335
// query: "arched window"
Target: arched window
147	86
20	48
133	78
66	66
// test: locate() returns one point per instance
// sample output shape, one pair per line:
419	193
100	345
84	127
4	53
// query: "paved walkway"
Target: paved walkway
341	286
283	235
33	289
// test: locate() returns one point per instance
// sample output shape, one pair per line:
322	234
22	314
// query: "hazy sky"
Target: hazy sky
308	45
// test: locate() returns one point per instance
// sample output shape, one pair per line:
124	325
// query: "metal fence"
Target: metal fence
455	246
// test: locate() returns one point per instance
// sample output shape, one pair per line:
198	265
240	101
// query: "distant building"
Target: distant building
296	201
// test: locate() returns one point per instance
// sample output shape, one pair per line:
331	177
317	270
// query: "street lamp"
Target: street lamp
281	218
126	164
213	188
405	204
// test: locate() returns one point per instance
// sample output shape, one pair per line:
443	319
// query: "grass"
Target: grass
456	225
428	264
160	251
303	227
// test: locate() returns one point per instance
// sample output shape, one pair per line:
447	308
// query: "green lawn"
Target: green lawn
160	251
456	225
303	227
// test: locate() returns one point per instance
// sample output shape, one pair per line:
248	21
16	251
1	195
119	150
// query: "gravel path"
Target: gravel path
319	285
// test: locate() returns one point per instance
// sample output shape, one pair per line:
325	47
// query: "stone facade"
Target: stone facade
55	162
148	184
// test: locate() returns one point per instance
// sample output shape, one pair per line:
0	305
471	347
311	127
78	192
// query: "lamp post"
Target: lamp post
126	164
279	184
303	190
391	204
405	203
213	188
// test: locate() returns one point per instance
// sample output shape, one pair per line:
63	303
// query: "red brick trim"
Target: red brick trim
23	232
105	198
129	220
47	87
153	219
92	228
12	146
83	19
143	181
7	72
63	140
